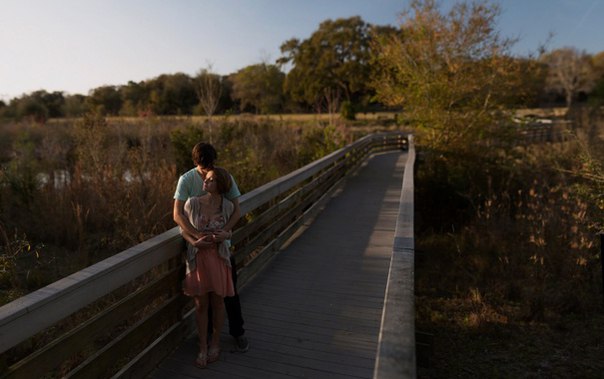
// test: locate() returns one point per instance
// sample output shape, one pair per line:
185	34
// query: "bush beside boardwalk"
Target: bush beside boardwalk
508	276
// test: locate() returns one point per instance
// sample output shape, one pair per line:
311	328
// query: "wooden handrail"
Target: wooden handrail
143	280
38	310
395	357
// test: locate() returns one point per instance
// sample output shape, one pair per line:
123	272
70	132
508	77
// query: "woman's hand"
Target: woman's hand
204	241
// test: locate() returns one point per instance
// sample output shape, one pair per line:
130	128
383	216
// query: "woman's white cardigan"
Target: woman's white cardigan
192	209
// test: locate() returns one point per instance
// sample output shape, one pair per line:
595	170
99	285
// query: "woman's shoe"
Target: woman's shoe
202	360
213	354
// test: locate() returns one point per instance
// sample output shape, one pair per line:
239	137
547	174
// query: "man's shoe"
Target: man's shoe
241	344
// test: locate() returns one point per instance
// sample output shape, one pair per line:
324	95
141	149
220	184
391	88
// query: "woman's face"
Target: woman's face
209	183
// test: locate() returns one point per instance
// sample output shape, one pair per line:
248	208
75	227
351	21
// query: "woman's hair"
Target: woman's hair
204	155
223	180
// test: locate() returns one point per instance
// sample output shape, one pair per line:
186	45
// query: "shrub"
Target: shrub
347	110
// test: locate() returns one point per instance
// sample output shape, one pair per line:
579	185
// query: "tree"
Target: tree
597	63
334	59
39	105
208	87
569	72
32	107
452	73
172	94
259	86
596	96
53	101
106	100
135	98
75	106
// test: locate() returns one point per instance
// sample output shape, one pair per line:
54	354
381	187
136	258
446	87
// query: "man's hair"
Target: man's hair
204	155
223	180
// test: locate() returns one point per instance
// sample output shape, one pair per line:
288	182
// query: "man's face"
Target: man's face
203	171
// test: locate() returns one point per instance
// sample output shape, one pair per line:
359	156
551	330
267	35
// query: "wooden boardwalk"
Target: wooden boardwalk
315	311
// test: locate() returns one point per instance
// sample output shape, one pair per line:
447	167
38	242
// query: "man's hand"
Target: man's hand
221	235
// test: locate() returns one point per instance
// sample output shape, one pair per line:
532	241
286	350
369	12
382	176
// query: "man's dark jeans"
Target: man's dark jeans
232	307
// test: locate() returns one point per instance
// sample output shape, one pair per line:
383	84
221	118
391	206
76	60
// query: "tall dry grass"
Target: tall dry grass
516	231
77	191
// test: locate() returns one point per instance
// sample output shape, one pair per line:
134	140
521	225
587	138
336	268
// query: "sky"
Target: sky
78	45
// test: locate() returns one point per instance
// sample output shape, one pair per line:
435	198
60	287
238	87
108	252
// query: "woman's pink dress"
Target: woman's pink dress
212	273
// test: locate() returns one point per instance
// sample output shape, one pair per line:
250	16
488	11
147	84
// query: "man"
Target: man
190	184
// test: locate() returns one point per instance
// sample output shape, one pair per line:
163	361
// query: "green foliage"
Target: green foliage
37	106
320	141
20	173
596	97
335	57
183	141
33	108
172	94
135	97
347	111
75	106
259	87
105	100
451	73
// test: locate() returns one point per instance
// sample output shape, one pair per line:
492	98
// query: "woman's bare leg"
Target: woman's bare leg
217	318
201	310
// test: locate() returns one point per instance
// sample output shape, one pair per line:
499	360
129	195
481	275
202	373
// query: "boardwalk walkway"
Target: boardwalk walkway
315	311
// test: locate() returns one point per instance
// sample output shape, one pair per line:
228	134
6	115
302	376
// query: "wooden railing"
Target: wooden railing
120	317
396	357
557	131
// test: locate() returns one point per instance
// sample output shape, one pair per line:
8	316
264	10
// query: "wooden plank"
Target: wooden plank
285	343
298	366
322	330
225	369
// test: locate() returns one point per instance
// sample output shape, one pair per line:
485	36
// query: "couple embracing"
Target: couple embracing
206	208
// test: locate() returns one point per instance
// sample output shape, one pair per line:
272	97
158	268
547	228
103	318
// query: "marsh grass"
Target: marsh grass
73	192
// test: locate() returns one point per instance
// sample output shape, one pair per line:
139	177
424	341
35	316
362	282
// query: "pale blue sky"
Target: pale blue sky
76	45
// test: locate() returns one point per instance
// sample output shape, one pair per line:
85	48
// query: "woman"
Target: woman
208	278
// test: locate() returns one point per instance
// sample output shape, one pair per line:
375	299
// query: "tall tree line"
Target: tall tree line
333	70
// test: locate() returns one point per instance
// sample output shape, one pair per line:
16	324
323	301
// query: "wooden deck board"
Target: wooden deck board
315	311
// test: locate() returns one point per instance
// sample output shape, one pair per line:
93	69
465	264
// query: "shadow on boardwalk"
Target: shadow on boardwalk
315	311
